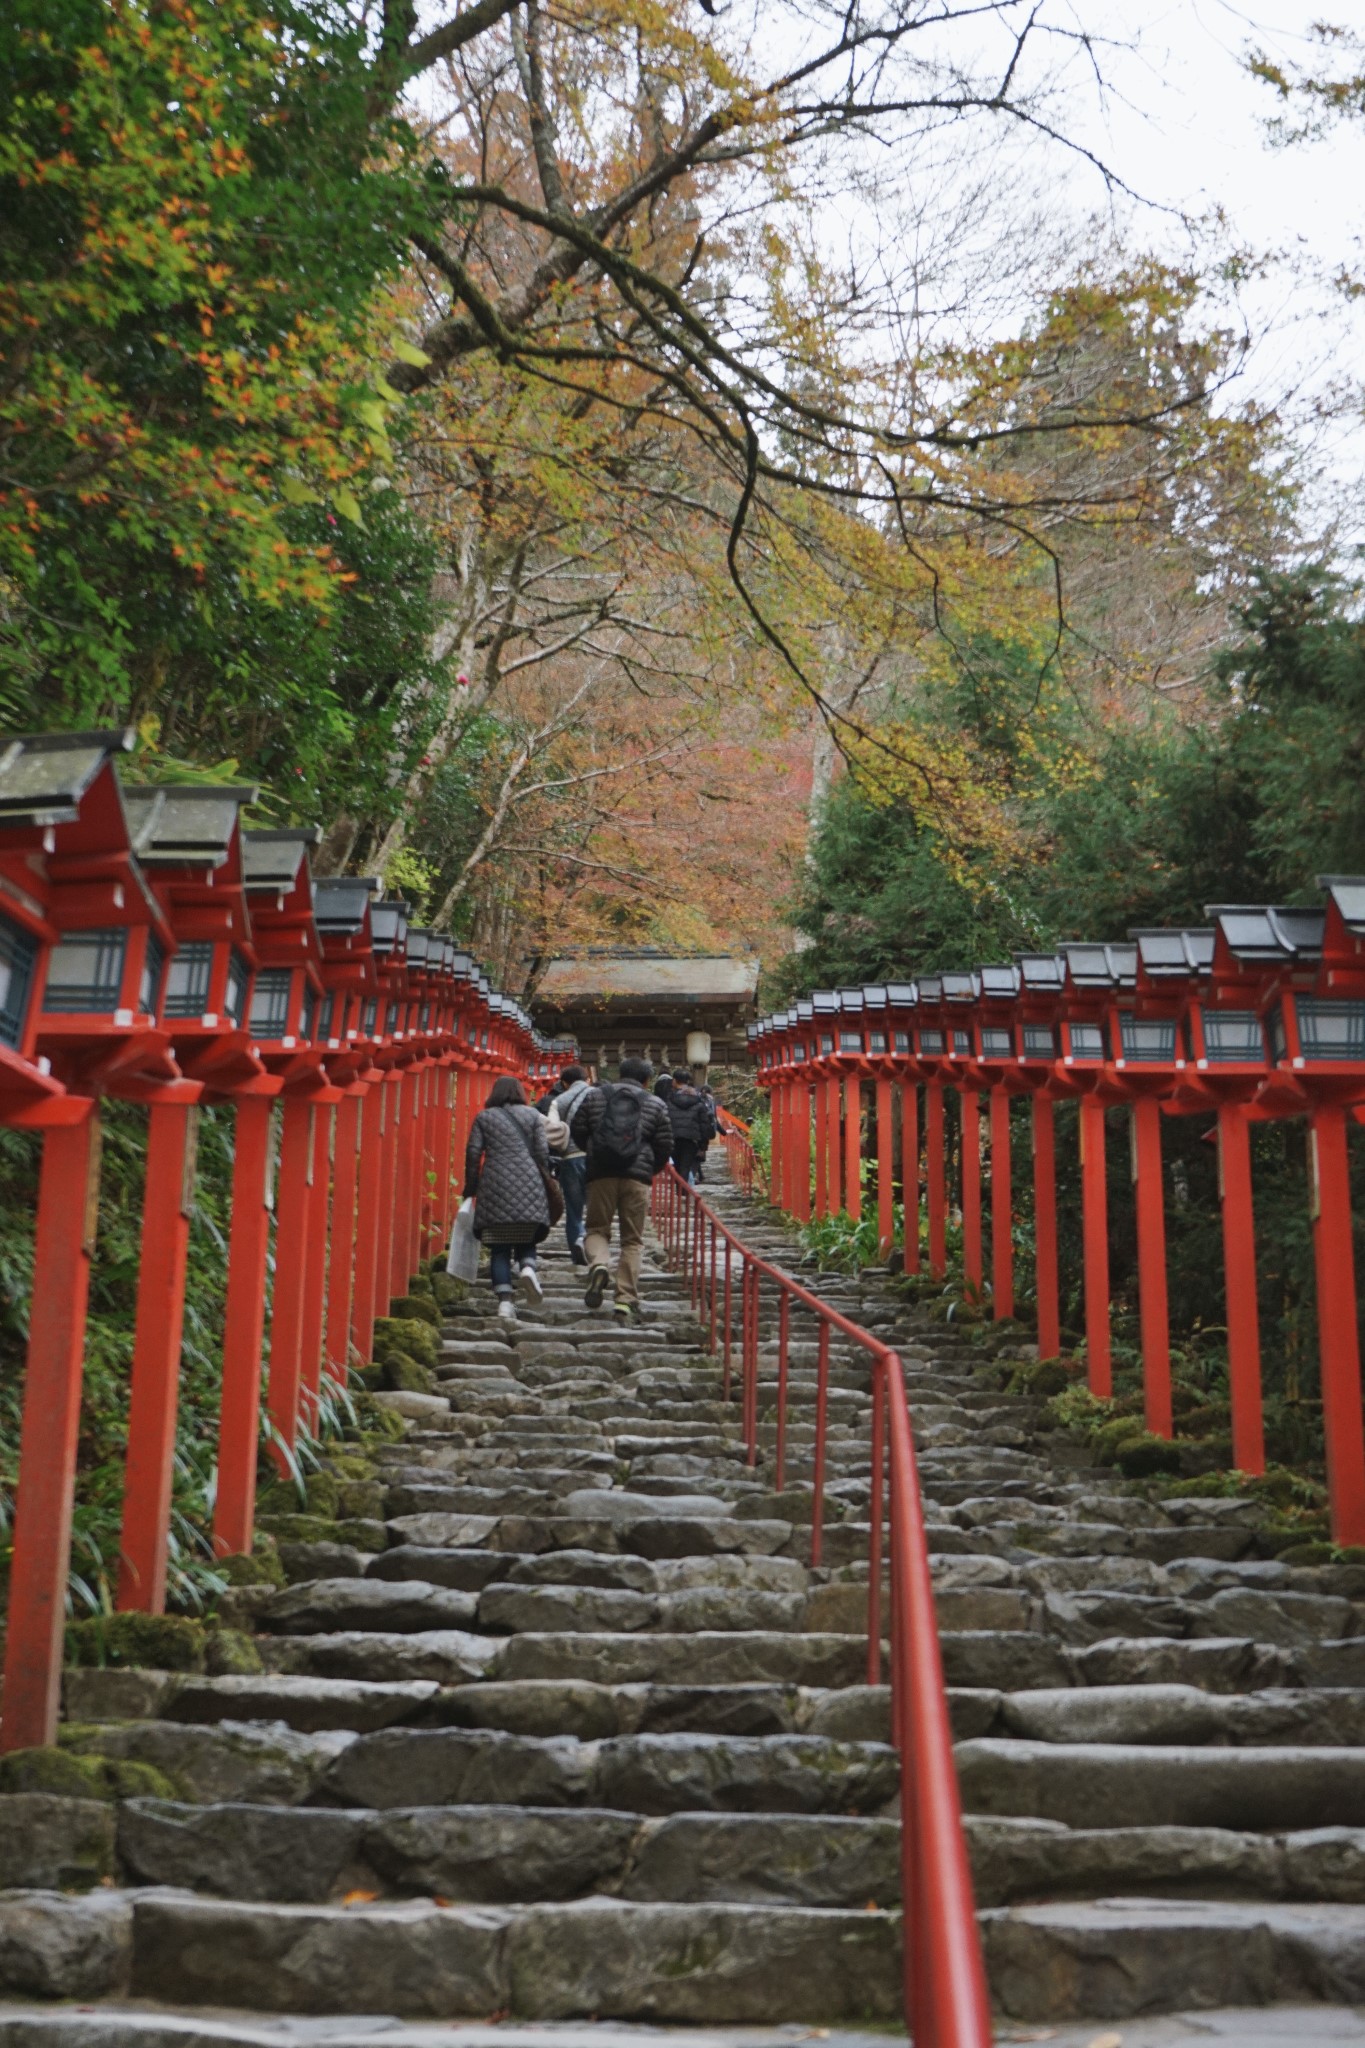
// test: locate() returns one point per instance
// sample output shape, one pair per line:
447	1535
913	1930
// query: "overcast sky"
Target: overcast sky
1187	128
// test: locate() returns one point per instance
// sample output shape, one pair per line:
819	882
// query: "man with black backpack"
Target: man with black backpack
627	1136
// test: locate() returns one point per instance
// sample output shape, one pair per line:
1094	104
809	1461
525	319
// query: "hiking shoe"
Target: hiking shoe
528	1279
507	1310
627	1312
597	1287
578	1255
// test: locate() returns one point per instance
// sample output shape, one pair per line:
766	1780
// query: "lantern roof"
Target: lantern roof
825	1001
1097	966
850	998
273	860
1041	973
1275	934
929	988
389	923
341	903
1346	898
901	994
805	1009
185	825
43	776
1171	954
958	987
1003	983
874	996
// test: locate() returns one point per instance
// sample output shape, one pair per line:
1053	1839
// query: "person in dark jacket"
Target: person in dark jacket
626	1134
570	1166
693	1123
503	1161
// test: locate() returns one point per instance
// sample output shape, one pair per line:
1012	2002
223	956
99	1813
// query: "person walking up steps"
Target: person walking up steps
694	1124
570	1165
506	1163
627	1136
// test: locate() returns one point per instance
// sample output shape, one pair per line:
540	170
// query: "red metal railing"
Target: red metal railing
746	1168
946	2001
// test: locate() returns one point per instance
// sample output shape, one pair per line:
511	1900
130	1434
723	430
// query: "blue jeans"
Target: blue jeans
573	1181
500	1257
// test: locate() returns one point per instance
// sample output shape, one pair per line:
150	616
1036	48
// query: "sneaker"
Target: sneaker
627	1312
578	1255
597	1287
529	1281
507	1310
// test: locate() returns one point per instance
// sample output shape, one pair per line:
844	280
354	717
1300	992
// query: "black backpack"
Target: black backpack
616	1141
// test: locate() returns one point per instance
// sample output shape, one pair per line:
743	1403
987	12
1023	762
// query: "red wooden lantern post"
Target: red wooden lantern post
284	1019
853	1065
900	999
1089	979
829	1129
882	1066
931	1046
1042	979
189	843
79	934
998	1066
1315	1021
958	996
341	913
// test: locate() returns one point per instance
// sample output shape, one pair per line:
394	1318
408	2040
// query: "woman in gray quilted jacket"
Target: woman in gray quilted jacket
503	1164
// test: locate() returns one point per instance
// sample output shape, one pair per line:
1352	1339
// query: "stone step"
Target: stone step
643	1774
1114	1958
606	1958
1271	1787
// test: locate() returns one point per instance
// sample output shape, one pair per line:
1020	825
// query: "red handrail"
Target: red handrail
946	2001
746	1168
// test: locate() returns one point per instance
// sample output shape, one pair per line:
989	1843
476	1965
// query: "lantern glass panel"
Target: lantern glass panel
1040	1042
426	1016
850	1041
369	1015
1233	1035
962	1044
18	957
1144	1038
332	1004
187	984
931	1041
1331	1030
826	1042
798	1052
1279	1045
1087	1042
238	981
85	972
877	1041
270	1002
996	1041
149	981
900	1041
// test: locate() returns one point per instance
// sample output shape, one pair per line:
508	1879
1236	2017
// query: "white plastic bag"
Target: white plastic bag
462	1260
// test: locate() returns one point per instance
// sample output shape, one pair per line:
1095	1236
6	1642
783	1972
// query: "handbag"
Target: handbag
462	1260
554	1194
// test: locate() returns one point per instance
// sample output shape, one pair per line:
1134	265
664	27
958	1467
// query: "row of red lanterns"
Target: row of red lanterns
153	950
1259	1015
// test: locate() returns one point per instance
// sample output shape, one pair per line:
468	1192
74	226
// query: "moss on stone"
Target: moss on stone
447	1289
154	1642
409	1334
1141	1455
361	1534
262	1568
350	1465
420	1307
230	1652
360	1500
68	1774
403	1375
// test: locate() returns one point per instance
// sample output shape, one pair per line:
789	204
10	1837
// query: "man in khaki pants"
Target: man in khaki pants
626	1134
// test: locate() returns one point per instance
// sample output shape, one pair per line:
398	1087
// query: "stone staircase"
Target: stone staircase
587	1737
